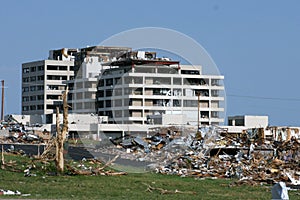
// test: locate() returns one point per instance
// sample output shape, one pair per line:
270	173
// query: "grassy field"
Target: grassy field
131	186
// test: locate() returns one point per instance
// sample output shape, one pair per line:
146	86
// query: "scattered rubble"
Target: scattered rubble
94	167
256	156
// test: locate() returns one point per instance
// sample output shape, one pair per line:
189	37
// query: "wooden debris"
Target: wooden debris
110	173
109	163
164	191
96	170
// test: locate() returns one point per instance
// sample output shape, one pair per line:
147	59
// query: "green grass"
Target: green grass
130	186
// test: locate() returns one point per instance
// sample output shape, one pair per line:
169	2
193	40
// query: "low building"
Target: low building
249	121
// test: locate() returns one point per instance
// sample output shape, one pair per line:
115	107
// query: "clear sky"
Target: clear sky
255	43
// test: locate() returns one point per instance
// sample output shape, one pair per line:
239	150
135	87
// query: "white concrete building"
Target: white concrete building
42	82
139	88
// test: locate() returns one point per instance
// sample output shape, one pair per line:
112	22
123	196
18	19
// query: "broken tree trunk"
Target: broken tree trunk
61	134
2	158
65	115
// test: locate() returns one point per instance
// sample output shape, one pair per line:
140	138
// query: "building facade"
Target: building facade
139	88
43	82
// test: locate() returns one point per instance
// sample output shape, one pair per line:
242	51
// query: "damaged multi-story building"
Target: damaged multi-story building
130	90
140	88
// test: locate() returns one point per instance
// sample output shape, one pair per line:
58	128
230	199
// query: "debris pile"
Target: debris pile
248	156
249	161
16	133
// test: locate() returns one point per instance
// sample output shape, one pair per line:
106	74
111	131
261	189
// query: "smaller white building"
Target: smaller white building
249	121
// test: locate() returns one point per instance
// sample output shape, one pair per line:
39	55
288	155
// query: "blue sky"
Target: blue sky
255	44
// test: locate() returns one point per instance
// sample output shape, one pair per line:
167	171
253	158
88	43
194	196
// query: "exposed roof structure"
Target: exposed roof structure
141	58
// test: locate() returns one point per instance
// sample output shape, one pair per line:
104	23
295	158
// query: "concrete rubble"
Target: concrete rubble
251	157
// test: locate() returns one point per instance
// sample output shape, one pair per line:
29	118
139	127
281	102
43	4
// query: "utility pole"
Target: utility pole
198	133
2	102
198	94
